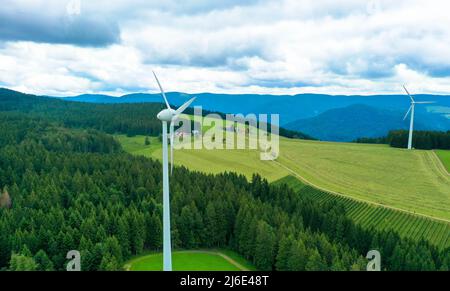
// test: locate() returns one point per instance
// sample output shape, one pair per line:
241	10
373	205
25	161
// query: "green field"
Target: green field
409	180
381	218
212	161
444	156
192	261
413	181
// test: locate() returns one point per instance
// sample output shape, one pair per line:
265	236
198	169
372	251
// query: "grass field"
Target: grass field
381	218
212	161
409	180
192	261
413	181
444	156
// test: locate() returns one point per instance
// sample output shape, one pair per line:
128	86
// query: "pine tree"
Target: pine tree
185	226
264	246
20	262
298	256
284	249
211	225
109	263
123	237
315	262
154	232
87	260
137	232
113	248
43	262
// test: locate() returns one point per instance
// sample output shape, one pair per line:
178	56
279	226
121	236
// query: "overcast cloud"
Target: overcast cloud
60	47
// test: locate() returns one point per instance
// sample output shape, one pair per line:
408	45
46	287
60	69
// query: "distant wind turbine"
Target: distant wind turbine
411	109
168	115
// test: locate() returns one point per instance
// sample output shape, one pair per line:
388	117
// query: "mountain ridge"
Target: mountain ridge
358	120
292	108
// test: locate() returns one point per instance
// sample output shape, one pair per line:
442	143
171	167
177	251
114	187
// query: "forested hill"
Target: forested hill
16	128
131	119
64	189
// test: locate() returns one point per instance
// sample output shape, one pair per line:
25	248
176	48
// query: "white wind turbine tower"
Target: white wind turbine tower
411	109
168	115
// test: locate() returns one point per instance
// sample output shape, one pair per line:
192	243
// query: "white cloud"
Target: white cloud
277	47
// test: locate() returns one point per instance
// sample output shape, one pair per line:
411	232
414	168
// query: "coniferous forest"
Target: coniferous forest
66	184
422	139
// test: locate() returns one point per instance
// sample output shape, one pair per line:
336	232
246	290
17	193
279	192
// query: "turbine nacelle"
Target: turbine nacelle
167	115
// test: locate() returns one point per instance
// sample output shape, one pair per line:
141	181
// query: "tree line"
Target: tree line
108	205
425	140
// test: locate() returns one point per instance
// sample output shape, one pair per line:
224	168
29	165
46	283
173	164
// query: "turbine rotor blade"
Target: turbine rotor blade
425	102
171	145
407	92
409	110
162	90
184	106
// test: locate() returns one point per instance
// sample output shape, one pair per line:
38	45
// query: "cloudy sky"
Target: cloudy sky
70	47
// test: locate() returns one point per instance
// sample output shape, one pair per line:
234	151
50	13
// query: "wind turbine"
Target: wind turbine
411	109
168	115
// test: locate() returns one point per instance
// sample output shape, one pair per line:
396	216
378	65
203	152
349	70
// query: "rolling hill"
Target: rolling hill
381	196
111	118
411	181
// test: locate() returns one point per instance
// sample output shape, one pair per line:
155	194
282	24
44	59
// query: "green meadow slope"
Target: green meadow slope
413	181
444	156
369	216
409	180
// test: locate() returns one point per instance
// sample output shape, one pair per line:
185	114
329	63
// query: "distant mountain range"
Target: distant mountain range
354	121
327	117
